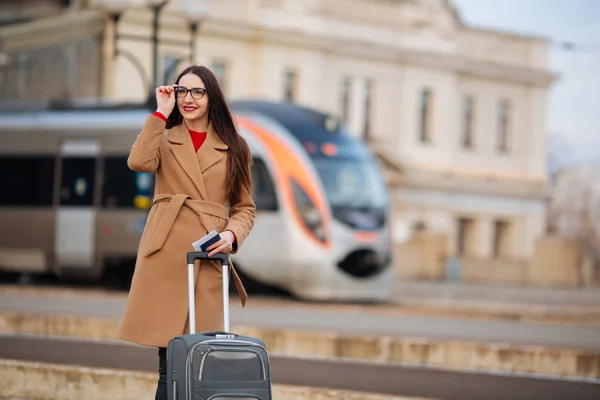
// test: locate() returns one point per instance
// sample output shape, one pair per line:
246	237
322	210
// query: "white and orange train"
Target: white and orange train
70	206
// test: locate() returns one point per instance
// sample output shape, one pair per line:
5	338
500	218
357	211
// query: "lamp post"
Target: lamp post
194	11
156	7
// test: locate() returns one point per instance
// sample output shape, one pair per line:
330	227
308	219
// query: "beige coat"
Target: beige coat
189	201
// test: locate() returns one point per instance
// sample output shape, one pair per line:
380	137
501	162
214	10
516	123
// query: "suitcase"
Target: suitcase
216	365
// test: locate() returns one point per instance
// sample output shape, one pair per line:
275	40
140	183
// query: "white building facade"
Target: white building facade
459	112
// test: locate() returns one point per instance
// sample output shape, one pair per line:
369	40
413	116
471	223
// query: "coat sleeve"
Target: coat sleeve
241	218
145	155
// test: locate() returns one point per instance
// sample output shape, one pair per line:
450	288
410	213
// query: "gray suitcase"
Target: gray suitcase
216	365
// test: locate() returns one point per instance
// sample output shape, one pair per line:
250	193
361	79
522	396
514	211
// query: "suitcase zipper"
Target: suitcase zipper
190	359
205	354
236	341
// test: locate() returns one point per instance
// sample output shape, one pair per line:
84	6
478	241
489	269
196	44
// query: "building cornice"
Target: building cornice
503	33
501	187
454	182
48	31
399	175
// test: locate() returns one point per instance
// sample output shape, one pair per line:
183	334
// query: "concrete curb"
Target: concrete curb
472	356
42	381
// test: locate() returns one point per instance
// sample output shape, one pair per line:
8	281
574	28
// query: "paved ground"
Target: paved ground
331	319
360	376
416	299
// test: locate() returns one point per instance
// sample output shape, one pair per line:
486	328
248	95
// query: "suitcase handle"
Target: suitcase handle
203	255
217	333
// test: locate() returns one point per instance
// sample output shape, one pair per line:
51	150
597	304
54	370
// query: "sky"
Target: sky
573	120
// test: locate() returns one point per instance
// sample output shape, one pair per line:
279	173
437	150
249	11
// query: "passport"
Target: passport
204	242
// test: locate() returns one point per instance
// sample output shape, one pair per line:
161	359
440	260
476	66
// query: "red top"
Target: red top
159	115
198	138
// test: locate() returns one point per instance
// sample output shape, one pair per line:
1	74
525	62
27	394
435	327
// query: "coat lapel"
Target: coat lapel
183	149
212	151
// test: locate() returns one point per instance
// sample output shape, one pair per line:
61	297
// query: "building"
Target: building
456	113
574	217
49	50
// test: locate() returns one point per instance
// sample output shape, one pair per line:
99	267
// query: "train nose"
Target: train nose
364	263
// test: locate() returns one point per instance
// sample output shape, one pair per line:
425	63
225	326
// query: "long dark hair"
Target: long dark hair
238	160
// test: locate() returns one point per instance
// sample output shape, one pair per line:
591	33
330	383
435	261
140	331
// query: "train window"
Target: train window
264	189
119	186
352	183
77	183
26	180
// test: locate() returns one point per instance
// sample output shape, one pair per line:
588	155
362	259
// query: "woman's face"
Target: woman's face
194	105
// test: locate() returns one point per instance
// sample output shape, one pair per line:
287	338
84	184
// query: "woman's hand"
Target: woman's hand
225	245
165	100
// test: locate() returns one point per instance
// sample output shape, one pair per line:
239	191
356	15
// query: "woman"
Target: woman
202	170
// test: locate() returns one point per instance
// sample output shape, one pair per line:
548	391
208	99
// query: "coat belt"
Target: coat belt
203	209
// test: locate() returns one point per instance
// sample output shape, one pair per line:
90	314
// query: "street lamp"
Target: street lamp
156	6
194	11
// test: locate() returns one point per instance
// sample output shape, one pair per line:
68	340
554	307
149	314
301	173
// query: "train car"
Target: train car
70	206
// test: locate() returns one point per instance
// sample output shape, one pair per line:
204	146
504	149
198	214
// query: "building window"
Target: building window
464	245
169	69
290	85
504	111
467	139
345	89
501	245
368	105
219	69
425	116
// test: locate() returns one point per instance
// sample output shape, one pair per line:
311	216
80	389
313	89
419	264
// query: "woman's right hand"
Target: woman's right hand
165	99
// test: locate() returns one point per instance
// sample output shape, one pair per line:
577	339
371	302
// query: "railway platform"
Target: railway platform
47	381
354	351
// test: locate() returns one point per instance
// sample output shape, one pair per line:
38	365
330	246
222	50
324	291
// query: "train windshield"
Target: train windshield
355	189
352	183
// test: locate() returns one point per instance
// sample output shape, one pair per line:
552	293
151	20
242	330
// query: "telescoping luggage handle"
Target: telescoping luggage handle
201	255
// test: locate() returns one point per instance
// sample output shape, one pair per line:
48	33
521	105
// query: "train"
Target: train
70	206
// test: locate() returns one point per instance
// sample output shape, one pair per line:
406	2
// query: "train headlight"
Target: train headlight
310	215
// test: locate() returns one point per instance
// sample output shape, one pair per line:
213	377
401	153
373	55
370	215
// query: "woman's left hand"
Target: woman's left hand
225	245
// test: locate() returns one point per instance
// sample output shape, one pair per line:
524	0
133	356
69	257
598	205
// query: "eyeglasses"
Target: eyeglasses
197	93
